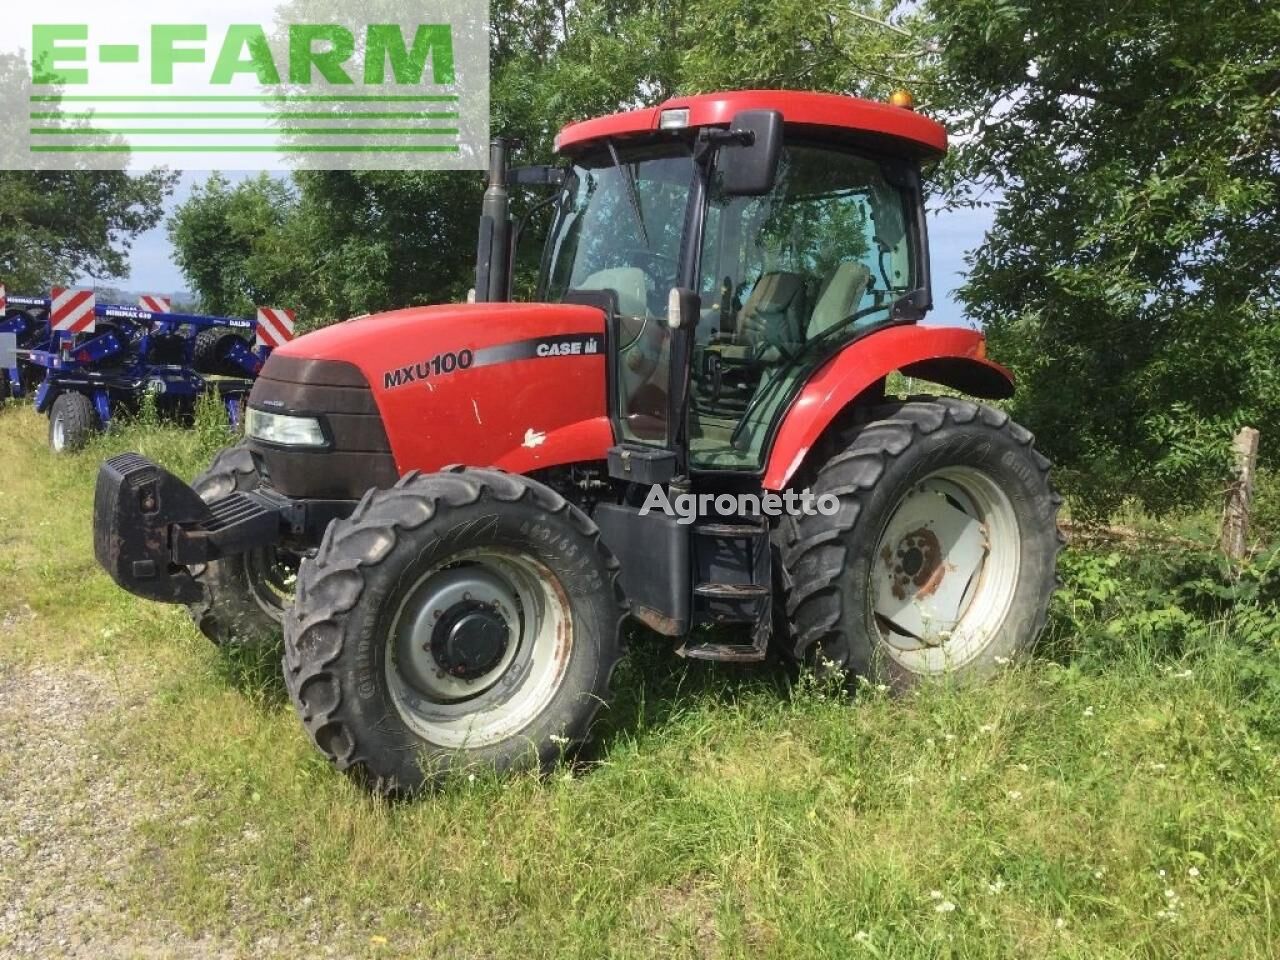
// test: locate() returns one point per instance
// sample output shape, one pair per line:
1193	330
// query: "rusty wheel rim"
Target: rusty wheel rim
944	571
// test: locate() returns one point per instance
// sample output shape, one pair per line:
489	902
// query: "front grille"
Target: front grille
360	457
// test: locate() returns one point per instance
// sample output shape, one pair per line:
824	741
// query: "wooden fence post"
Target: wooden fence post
1235	518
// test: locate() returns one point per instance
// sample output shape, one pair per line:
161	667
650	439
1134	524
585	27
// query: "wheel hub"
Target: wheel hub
470	640
458	634
915	565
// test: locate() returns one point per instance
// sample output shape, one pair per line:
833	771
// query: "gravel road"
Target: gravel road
67	811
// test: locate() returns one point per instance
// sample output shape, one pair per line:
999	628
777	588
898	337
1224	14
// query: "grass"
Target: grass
1116	798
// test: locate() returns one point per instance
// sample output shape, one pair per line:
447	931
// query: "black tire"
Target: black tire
245	595
209	352
72	421
6	388
828	562
374	568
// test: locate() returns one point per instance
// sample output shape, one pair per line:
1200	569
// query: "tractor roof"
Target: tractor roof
826	114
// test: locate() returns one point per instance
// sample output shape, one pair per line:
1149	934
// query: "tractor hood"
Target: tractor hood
514	385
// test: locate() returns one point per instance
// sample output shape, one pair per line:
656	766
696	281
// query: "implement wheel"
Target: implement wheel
462	618
941	558
72	421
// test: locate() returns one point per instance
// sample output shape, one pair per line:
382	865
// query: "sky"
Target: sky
951	235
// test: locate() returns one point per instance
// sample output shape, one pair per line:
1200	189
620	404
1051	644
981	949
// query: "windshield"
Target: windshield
619	228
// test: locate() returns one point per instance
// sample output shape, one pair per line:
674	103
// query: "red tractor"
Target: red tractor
690	427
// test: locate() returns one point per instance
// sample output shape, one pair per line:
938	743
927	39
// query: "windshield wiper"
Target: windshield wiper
633	195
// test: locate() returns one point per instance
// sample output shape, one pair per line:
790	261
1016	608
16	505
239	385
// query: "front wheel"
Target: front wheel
245	594
459	618
941	557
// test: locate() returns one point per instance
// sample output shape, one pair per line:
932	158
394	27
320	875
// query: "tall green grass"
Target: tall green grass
1118	796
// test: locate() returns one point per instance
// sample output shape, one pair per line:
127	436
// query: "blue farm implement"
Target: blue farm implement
86	362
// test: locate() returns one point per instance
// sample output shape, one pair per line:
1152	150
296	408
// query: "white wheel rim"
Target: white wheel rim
944	571
505	699
59	435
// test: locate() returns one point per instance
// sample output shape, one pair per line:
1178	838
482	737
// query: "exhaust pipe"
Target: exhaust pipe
493	252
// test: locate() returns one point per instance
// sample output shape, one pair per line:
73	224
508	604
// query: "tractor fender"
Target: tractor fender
952	356
576	442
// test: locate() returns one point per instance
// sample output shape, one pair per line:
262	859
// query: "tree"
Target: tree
365	241
1132	275
58	225
234	244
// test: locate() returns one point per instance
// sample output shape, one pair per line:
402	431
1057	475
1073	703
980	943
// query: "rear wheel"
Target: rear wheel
72	421
466	617
245	595
941	558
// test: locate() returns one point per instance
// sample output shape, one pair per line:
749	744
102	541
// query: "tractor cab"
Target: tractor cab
791	230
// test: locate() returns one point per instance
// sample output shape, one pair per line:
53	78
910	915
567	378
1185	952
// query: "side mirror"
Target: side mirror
683	308
541	175
748	162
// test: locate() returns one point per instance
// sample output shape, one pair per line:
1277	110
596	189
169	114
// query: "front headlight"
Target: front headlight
283	429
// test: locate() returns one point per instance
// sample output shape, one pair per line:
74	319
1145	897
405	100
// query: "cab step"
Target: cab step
731	591
731	531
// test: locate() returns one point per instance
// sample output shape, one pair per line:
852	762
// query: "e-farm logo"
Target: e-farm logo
323	84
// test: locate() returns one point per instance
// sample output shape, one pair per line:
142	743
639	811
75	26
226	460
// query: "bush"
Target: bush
1175	607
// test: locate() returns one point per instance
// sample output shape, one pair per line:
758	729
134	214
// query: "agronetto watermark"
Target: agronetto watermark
327	84
697	506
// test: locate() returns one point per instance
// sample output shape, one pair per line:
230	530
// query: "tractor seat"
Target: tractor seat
774	312
631	284
839	297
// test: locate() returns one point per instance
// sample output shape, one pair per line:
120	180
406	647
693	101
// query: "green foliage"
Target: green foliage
1130	277
337	243
1175	606
230	243
56	226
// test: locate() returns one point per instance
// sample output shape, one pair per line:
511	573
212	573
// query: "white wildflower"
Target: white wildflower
946	906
